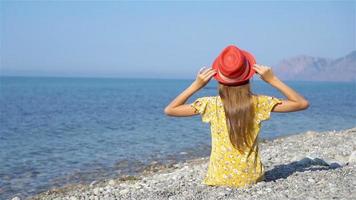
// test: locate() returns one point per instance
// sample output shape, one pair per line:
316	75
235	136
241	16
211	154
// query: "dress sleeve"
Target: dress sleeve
202	105
265	106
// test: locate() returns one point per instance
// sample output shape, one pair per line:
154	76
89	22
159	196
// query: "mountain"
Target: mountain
309	68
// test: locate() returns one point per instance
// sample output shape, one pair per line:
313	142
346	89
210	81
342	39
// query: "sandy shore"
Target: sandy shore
306	166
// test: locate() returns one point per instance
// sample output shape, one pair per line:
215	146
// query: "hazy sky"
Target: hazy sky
165	39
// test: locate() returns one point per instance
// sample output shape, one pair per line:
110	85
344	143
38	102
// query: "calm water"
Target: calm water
66	130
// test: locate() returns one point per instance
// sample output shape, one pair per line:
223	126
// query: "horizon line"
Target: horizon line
149	78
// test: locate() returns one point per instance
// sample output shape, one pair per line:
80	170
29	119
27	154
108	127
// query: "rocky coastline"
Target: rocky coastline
310	165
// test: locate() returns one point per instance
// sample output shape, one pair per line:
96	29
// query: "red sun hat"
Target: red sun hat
234	66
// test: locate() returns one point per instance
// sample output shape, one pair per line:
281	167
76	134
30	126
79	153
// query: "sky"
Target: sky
165	39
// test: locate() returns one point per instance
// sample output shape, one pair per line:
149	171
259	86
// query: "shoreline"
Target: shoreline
144	184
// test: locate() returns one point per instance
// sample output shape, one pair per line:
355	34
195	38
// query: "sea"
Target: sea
56	131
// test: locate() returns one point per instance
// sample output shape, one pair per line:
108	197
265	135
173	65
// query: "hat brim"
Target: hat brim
251	61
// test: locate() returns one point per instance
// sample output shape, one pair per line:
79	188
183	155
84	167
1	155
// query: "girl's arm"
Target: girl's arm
294	100
178	107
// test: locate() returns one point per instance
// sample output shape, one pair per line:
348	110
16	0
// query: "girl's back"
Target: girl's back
227	166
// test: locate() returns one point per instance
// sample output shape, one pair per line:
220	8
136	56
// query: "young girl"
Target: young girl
235	115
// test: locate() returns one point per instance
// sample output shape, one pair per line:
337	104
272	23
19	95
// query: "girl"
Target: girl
235	115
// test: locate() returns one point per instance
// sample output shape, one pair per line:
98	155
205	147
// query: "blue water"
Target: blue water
68	130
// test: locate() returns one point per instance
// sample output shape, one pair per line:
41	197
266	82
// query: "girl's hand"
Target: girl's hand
204	76
265	72
294	101
178	107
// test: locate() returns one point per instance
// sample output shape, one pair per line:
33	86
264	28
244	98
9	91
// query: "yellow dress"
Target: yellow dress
227	166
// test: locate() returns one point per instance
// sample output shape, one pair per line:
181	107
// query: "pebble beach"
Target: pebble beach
310	165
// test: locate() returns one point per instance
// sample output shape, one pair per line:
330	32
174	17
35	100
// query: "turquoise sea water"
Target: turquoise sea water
56	131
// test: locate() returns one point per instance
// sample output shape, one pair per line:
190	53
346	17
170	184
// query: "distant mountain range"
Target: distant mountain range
309	68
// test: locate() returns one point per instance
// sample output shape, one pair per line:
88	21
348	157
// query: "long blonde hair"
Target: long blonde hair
239	113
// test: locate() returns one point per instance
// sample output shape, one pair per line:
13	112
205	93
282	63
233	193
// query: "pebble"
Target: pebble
222	193
96	191
311	180
111	182
352	158
124	191
73	198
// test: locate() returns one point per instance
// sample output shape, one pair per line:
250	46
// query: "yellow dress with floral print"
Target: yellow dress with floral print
227	166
